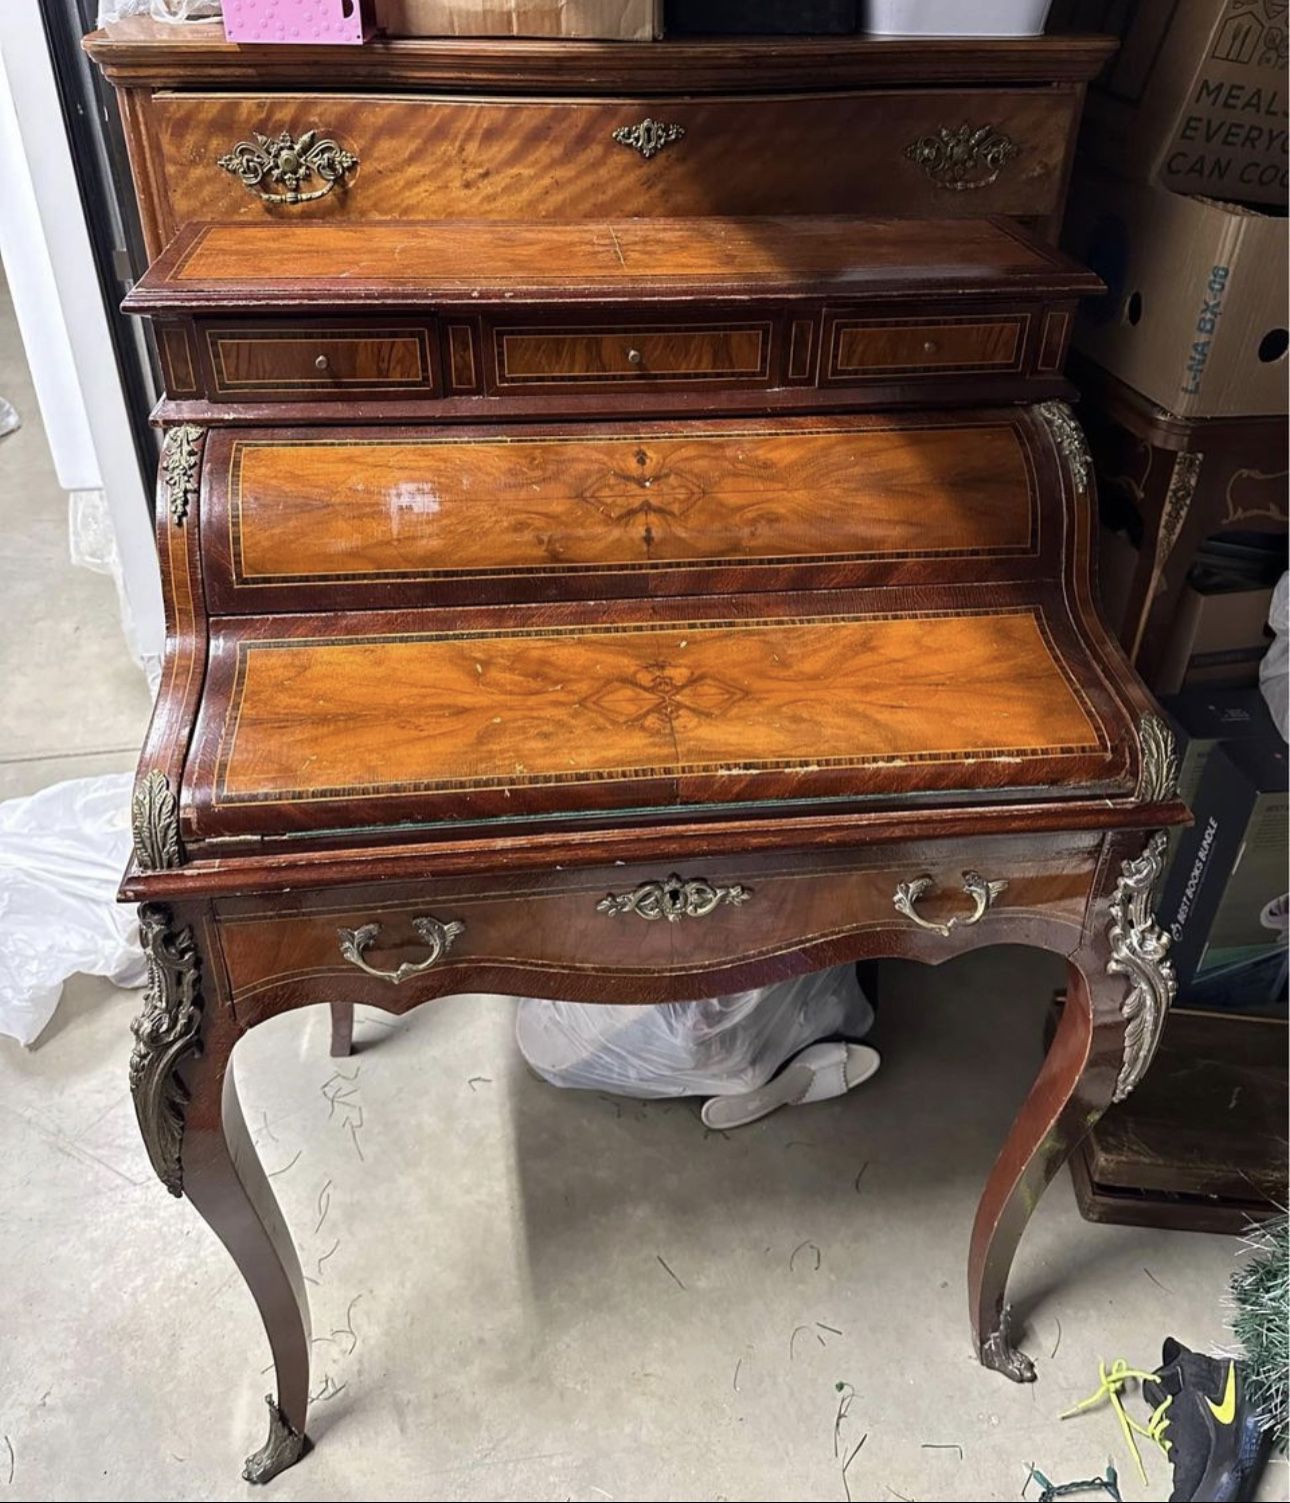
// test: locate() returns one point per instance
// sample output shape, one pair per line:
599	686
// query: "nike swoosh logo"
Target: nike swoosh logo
1225	1412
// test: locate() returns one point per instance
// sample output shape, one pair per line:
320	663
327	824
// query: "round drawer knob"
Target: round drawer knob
321	363
634	357
929	347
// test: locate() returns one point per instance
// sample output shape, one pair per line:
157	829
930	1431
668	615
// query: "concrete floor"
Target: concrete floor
521	1293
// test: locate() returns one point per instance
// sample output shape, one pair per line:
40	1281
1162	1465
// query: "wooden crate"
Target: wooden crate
1201	1144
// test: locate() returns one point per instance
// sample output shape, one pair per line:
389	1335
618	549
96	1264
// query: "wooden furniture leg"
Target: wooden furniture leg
186	1100
1074	1087
342	1029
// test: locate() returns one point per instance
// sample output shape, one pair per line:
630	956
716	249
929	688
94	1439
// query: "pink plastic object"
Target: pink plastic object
298	21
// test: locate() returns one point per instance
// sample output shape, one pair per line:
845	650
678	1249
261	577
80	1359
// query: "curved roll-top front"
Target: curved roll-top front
422	517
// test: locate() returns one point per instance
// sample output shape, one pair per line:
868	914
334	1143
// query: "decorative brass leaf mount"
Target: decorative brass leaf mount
181	463
280	169
1158	780
154	823
165	1033
1139	949
674	898
649	137
970	157
1070	440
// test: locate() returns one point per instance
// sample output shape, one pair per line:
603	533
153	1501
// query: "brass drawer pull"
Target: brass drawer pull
673	899
634	357
966	158
649	137
978	888
437	935
286	166
322	363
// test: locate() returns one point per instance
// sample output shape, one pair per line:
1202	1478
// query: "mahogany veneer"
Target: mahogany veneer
557	604
594	316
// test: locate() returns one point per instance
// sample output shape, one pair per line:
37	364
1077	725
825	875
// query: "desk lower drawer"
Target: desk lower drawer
700	928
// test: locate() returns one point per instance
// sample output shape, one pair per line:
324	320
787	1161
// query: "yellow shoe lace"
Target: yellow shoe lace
1111	1387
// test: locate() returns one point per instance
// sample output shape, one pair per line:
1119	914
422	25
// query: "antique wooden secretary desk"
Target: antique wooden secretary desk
624	540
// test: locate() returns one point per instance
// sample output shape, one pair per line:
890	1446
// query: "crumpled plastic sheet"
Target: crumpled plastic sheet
62	853
723	1046
160	10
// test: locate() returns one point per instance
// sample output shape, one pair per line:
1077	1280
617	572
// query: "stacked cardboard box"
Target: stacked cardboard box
602	20
1178	202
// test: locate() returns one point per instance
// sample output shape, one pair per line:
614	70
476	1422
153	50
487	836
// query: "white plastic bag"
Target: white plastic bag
719	1047
1274	670
62	852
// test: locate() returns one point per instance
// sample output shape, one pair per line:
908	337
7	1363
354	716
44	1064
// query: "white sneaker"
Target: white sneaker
818	1073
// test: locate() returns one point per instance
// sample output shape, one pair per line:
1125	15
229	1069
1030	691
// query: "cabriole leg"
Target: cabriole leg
186	1100
1117	996
1071	1092
342	1030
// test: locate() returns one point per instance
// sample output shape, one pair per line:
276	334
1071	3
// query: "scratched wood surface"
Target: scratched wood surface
444	260
570	718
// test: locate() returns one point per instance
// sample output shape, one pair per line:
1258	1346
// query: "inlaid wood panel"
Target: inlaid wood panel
534	260
424	158
554	923
303	513
877	347
573	717
265	362
541	357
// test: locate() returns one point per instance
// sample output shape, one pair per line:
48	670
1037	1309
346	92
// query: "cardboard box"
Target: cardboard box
1203	718
761	17
1195	98
1218	637
607	20
1197	312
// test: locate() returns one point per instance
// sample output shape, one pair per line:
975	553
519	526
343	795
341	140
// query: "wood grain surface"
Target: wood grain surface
537	357
562	718
304	509
553	924
308	263
138	50
423	158
274	361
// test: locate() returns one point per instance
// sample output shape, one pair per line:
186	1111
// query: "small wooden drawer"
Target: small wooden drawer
261	362
691	928
876	349
717	352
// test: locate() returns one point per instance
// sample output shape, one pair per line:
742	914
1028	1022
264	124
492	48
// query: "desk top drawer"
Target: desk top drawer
266	361
298	156
594	355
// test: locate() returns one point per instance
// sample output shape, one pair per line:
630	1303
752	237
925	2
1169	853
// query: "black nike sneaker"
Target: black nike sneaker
1200	1416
